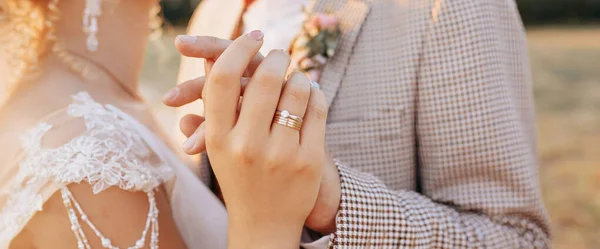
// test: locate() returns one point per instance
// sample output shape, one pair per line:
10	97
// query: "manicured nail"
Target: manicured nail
187	38
256	35
314	84
188	145
171	94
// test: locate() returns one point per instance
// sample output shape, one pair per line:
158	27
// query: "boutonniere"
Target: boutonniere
315	44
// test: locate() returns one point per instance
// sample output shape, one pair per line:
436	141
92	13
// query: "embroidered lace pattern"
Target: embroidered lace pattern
109	153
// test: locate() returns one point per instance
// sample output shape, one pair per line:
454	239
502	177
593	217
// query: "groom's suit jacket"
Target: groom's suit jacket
431	116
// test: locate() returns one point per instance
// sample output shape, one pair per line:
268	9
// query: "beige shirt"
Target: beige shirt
280	20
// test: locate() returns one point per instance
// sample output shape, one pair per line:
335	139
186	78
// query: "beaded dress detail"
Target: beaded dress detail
109	153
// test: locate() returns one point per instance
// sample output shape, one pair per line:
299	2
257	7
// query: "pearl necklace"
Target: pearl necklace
74	209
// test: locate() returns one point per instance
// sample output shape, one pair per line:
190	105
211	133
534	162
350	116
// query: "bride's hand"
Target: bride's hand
269	173
322	217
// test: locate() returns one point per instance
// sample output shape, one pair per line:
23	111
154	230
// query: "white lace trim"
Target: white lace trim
109	153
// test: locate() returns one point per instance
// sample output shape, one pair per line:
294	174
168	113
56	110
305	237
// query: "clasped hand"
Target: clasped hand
269	173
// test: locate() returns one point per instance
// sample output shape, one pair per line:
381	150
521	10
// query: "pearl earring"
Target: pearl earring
93	9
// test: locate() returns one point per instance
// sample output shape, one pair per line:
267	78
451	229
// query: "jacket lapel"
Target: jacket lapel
351	15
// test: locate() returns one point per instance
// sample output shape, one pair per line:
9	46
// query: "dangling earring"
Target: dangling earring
93	9
156	22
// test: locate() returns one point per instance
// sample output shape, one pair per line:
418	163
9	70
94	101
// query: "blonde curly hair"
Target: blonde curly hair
30	28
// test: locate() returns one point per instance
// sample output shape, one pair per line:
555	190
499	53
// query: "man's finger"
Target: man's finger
315	120
222	91
209	48
189	124
208	64
189	91
196	143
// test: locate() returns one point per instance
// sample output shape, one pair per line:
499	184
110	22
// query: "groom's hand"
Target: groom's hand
190	124
322	217
208	48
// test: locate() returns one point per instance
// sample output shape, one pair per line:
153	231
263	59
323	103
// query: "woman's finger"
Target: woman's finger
222	91
190	91
294	100
262	93
209	48
190	123
315	120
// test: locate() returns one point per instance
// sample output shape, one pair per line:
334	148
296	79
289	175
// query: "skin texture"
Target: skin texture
322	217
268	182
50	91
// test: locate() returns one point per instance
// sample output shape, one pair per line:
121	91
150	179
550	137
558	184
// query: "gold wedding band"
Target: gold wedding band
285	118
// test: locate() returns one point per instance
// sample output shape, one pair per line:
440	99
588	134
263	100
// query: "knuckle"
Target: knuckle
278	157
244	152
275	158
221	76
270	77
297	93
205	46
303	163
319	112
272	161
211	41
307	165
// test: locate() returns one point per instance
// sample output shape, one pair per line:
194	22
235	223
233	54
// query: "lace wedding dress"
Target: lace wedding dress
115	150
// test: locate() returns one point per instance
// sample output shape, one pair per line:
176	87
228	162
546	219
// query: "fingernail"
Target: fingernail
171	94
256	35
314	84
188	145
187	38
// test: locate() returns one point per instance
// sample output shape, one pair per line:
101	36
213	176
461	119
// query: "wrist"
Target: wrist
323	218
263	234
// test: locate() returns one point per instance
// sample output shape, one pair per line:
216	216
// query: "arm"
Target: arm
97	162
118	214
476	145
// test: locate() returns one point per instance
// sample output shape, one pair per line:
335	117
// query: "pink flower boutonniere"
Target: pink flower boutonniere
315	44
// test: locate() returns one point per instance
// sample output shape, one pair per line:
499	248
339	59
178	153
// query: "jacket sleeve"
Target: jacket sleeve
476	145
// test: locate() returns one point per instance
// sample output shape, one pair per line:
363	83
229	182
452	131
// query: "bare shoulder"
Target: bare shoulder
26	109
118	215
87	173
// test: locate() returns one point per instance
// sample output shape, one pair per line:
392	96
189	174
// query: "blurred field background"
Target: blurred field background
564	46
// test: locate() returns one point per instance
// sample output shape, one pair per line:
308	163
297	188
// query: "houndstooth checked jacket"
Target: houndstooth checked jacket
432	121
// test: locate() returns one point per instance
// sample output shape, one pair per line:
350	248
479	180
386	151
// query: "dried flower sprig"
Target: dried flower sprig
316	44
